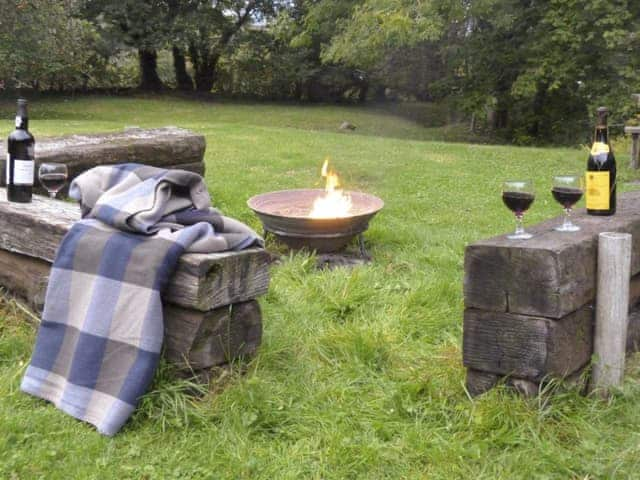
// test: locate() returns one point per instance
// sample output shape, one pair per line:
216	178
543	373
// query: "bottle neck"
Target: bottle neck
22	118
602	134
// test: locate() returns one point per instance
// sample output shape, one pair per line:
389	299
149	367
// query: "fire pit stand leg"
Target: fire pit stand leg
363	250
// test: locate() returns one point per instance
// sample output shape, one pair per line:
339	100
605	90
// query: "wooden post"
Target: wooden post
612	309
635	145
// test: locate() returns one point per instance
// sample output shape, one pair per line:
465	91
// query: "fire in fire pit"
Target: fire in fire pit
334	203
321	220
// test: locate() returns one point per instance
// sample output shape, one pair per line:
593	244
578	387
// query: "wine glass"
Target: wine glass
53	176
567	190
518	195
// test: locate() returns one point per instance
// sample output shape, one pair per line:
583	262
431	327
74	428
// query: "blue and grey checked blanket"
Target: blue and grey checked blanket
102	328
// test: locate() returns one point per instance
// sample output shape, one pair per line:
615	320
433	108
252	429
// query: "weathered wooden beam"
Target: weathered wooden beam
480	381
550	275
193	339
160	147
634	131
24	277
195	167
504	343
610	333
200	340
201	281
527	347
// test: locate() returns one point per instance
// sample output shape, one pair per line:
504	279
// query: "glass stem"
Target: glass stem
567	218
519	227
52	194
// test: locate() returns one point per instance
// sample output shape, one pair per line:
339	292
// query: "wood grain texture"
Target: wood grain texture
198	340
527	347
25	278
192	339
161	147
633	330
201	281
612	312
550	275
478	382
195	167
635	145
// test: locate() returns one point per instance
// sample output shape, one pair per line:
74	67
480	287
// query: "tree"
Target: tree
537	67
142	24
208	28
582	53
43	45
310	26
394	43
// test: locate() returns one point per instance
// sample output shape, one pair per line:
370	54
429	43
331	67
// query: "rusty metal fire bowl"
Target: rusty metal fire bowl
285	214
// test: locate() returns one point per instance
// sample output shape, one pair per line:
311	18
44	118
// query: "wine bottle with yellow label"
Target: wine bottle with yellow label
601	171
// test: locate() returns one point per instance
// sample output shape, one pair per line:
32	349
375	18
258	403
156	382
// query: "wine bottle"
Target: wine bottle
601	171
20	158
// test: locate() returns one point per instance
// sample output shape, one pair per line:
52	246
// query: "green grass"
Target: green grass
359	374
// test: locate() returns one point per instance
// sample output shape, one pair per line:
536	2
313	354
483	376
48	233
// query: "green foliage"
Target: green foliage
141	24
378	26
261	66
540	69
208	30
43	45
315	22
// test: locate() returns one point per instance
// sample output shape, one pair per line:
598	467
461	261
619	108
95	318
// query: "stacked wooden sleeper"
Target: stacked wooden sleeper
210	309
167	147
529	305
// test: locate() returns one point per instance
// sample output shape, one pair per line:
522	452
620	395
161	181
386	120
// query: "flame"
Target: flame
334	203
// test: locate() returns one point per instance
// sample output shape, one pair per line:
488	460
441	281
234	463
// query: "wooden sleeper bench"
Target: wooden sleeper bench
167	147
529	305
211	313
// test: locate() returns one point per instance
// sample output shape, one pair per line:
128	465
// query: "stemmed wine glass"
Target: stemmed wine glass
53	176
567	190
518	195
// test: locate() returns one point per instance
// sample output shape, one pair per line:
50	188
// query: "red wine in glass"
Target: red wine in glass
565	196
53	182
518	202
518	195
567	190
53	176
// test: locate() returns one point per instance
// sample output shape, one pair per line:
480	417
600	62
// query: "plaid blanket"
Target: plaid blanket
102	328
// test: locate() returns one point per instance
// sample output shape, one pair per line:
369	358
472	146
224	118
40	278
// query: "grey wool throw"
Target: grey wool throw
102	327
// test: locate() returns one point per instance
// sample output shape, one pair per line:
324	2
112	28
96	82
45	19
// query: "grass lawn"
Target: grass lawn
359	374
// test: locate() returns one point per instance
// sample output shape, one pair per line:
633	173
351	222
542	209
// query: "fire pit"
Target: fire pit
286	214
321	220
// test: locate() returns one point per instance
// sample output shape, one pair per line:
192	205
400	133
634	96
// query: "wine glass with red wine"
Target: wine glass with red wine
518	195
53	176
567	190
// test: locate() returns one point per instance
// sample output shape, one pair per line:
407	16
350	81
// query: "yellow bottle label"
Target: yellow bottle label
597	194
599	147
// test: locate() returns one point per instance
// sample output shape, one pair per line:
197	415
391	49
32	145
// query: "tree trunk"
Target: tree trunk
183	79
502	118
205	78
380	94
364	90
149	79
204	64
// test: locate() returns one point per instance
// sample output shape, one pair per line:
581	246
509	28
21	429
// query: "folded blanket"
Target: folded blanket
102	328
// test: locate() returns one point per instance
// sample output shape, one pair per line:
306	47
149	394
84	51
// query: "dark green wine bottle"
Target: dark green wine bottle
601	171
20	158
